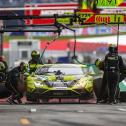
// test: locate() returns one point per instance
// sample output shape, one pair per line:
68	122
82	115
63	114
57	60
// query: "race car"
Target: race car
122	86
61	81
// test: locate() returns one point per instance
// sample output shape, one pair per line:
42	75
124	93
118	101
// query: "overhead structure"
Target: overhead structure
82	13
78	17
87	12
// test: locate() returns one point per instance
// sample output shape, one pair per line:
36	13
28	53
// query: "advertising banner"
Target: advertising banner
109	3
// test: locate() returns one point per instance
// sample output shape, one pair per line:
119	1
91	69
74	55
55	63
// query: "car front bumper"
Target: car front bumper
39	93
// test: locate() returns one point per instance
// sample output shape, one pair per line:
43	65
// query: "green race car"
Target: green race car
61	81
122	86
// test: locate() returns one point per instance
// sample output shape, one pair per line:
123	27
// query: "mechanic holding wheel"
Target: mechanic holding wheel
15	83
113	65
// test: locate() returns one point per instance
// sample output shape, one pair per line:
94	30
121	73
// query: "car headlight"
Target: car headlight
38	84
42	78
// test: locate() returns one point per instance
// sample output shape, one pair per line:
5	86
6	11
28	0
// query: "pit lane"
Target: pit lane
55	114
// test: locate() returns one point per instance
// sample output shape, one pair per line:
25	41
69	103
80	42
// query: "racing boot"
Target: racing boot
115	101
103	101
112	101
17	98
11	100
19	101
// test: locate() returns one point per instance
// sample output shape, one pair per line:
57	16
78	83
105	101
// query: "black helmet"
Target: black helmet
23	67
112	48
35	54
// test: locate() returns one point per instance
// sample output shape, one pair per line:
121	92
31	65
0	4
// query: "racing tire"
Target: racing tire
97	86
86	96
122	96
32	98
4	92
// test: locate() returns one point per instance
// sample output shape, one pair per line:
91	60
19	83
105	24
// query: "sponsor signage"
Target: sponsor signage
86	17
102	18
112	18
83	16
113	11
109	3
49	9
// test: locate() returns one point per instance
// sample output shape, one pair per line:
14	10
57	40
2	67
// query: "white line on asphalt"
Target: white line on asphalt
80	111
121	109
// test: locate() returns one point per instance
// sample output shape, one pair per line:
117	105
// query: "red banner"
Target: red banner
48	9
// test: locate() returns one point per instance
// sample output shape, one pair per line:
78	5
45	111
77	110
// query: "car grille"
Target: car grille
59	84
61	93
56	93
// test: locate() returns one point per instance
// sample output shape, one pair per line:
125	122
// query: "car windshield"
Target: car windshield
64	69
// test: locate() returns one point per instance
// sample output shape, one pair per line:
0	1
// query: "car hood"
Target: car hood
55	82
55	78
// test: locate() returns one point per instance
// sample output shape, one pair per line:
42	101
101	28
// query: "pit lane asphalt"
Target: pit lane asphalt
63	115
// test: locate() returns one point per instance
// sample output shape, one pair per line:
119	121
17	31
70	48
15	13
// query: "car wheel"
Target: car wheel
86	96
97	87
4	92
32	98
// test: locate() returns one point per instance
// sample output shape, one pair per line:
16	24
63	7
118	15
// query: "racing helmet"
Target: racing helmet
112	48
99	63
23	67
35	54
2	66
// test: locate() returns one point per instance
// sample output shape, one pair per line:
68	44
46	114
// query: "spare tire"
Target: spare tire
97	87
4	92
